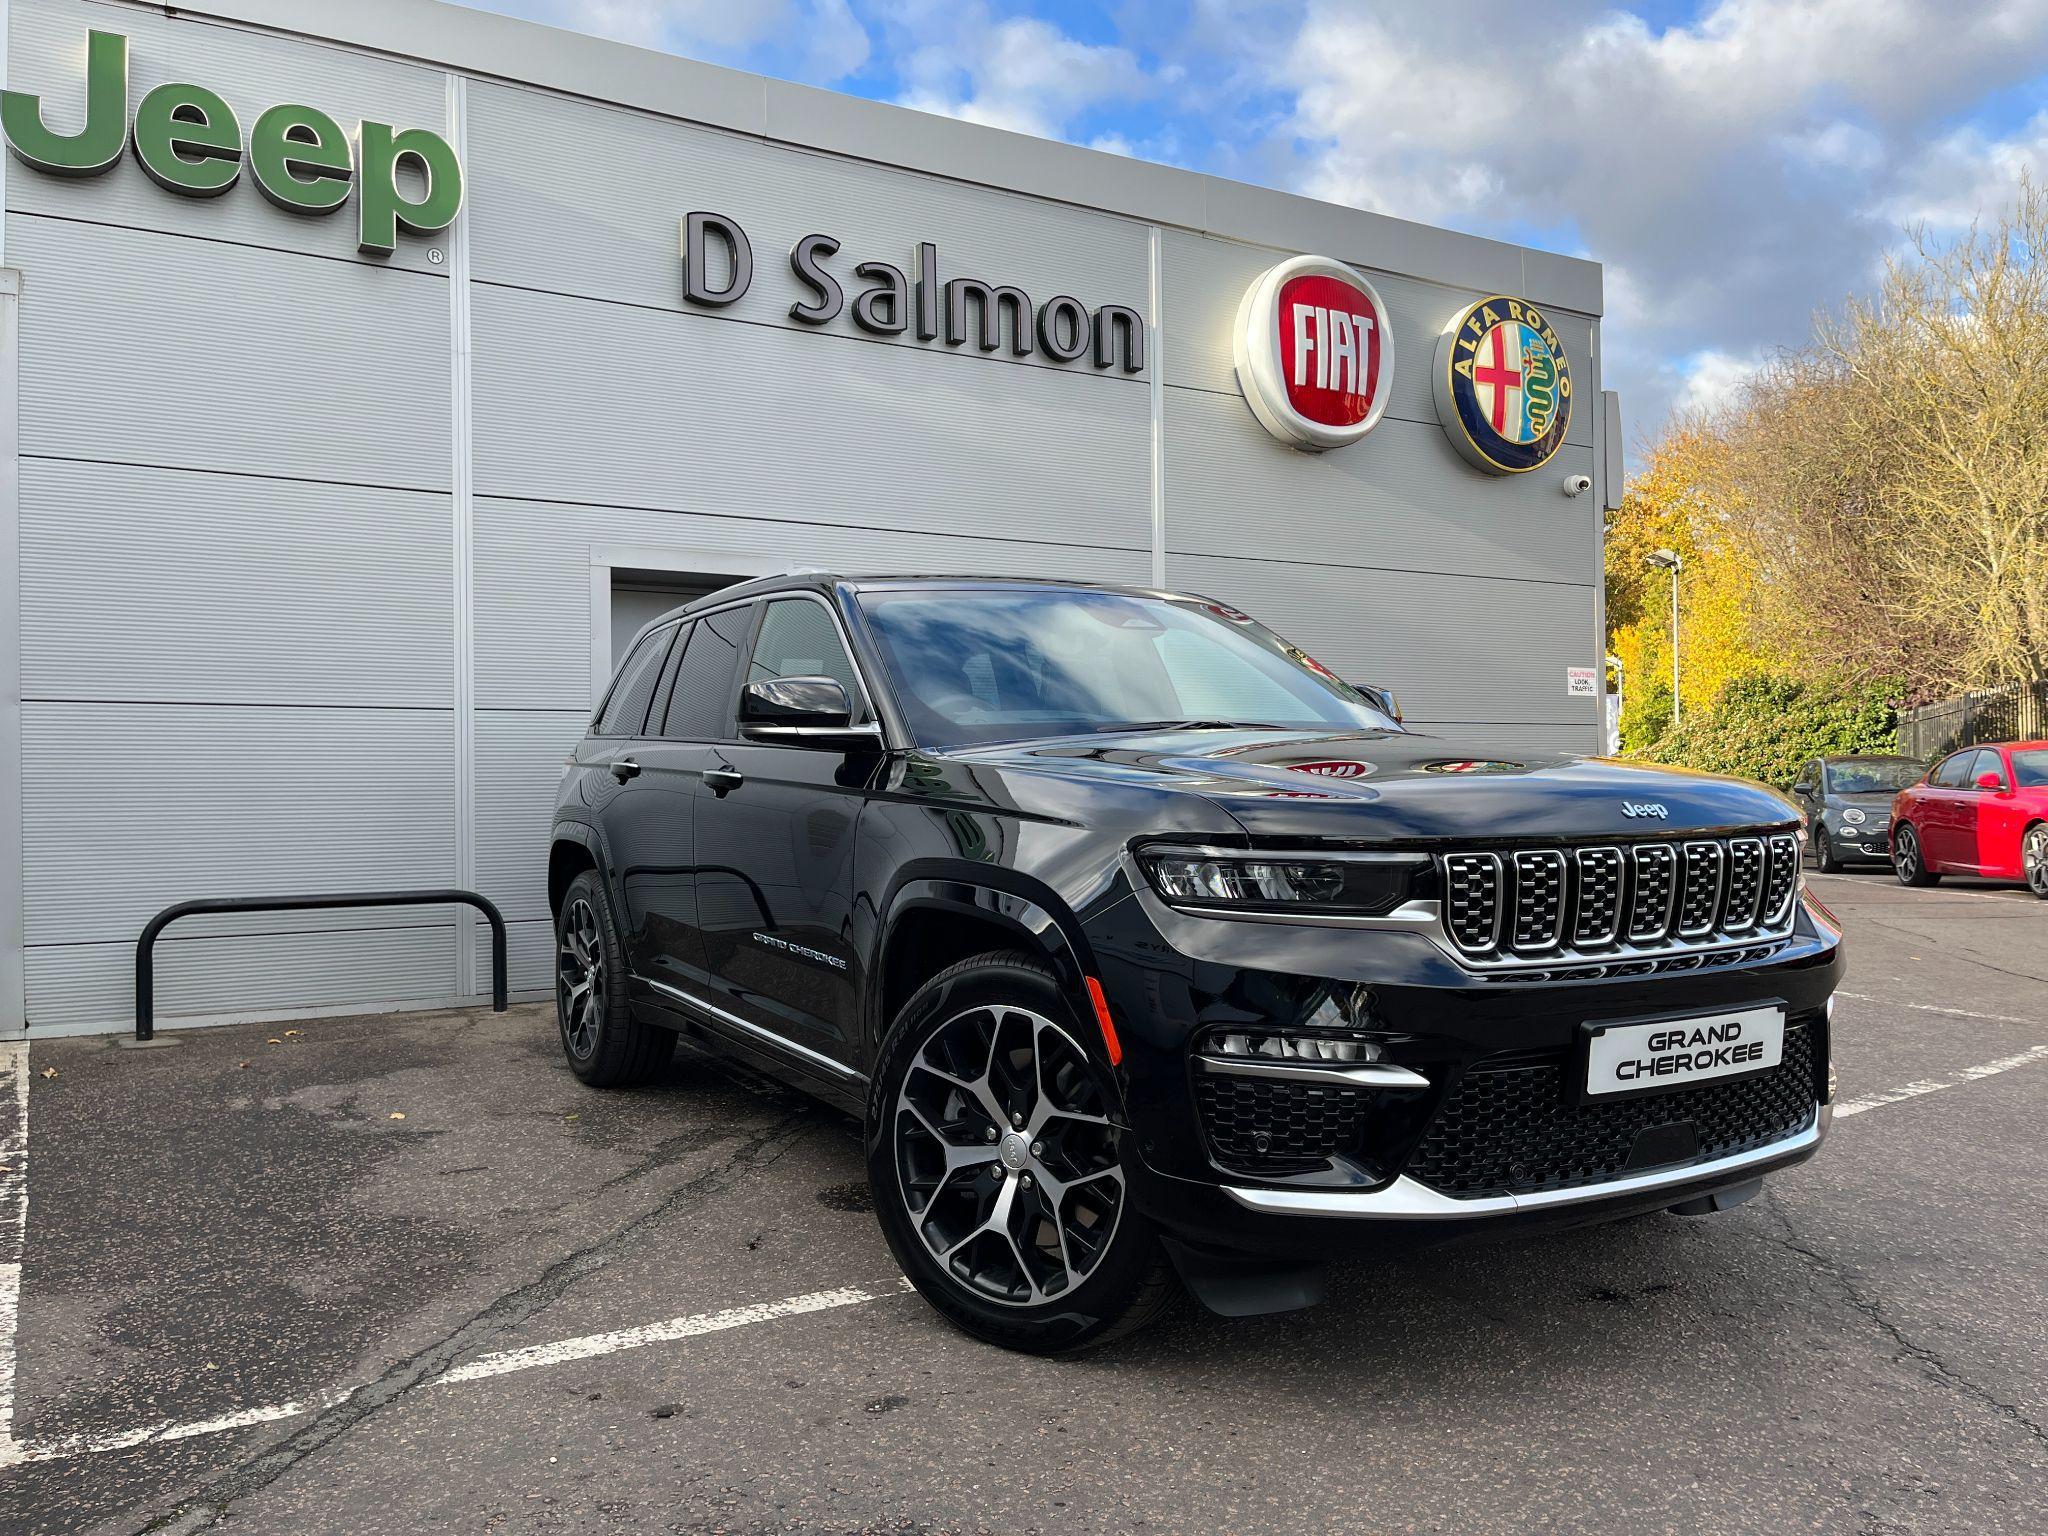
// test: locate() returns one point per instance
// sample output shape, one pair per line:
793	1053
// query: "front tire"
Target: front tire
1824	859
1908	862
605	1045
2034	858
998	1165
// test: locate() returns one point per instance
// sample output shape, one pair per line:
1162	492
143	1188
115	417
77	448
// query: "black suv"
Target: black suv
1142	944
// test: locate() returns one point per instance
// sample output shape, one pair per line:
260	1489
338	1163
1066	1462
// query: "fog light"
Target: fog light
1276	1046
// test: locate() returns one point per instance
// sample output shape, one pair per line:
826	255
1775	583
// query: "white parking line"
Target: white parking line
1953	1013
591	1346
13	1224
2003	893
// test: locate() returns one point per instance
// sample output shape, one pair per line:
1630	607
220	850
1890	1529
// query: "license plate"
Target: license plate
1681	1053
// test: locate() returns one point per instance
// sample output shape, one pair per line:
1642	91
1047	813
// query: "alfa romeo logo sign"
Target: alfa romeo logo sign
1314	356
1503	386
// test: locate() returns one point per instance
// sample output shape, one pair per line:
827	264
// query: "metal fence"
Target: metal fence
2013	712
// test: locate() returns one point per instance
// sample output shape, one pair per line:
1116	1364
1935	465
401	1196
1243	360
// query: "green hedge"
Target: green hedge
1766	726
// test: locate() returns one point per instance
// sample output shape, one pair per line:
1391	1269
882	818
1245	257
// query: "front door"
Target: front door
1945	805
775	845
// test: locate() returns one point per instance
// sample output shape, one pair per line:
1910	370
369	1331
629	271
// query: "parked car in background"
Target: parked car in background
1980	811
1848	806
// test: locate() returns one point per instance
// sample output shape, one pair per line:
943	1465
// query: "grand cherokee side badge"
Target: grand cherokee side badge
1638	808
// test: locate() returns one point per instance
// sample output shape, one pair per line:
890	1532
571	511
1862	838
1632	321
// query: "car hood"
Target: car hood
1396	784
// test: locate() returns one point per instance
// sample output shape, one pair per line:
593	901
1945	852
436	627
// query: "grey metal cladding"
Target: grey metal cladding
1455	648
576	197
152	349
518	769
225	801
253	72
1402	499
173	585
202	976
654	409
1206	277
532	588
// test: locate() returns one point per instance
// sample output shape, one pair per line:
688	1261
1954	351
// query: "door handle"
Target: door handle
723	781
625	768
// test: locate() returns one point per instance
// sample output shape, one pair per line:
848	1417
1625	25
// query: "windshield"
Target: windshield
1878	776
1001	664
2030	768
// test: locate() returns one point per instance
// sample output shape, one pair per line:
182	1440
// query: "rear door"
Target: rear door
775	840
636	838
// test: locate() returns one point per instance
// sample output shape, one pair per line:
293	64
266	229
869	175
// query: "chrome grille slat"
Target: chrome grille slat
1604	905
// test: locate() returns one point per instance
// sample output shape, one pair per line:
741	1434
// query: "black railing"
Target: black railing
2012	712
145	947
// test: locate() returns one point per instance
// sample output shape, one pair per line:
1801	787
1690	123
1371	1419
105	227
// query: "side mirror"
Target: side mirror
1383	698
1803	787
1990	781
808	711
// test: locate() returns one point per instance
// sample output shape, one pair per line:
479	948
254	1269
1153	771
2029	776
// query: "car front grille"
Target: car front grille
1514	1128
1600	902
1271	1127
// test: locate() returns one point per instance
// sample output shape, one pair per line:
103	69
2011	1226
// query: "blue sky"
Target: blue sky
1735	164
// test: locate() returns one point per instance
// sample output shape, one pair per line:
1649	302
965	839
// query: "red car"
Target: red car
1980	811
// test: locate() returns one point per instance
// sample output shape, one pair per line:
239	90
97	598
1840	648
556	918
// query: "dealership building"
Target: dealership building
370	372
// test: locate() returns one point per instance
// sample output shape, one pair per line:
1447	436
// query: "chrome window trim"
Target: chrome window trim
1412	1200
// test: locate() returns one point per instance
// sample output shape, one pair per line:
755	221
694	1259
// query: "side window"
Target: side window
1954	771
799	639
625	711
1816	774
700	703
1987	762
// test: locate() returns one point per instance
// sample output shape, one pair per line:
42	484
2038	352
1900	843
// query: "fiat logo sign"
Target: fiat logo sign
1315	357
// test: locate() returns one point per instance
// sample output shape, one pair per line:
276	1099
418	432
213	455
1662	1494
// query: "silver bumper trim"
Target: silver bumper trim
1365	1074
1409	1199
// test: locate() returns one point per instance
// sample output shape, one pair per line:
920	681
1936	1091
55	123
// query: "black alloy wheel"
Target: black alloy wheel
2034	858
606	1046
1907	861
997	1157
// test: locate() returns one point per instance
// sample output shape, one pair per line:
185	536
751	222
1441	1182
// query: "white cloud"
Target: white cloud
1967	174
1023	74
820	40
1714	379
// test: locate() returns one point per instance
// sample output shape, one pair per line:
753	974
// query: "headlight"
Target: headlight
1853	816
1339	882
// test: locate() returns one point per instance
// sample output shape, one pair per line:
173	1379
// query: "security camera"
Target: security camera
1577	485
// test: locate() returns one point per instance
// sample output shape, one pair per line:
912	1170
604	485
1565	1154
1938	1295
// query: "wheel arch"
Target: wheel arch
573	848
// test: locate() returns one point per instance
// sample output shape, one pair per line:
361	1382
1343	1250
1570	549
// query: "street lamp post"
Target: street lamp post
1669	560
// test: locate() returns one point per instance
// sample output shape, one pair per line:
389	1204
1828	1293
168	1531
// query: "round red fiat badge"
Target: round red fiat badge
1314	356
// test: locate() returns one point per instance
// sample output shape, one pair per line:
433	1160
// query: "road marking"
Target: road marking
2003	894
13	1224
1935	1085
1953	1013
484	1367
587	1346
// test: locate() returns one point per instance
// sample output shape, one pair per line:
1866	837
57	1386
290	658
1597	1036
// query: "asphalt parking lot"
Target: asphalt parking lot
253	1297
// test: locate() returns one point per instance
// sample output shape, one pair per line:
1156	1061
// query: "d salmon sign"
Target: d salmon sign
1315	357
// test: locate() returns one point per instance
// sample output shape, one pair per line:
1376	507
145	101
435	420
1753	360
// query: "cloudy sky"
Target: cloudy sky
1734	163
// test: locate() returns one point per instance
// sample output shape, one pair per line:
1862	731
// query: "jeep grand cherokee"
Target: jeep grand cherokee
1144	946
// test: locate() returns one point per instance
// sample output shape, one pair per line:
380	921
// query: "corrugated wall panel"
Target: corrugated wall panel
1401	499
1205	278
128	808
678	411
153	349
519	757
1455	648
174	586
94	984
46	56
533	577
575	197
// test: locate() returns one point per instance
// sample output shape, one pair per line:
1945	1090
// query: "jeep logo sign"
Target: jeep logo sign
1315	358
189	141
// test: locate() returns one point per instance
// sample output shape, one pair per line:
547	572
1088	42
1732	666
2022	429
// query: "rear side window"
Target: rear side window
799	639
625	712
1954	772
700	704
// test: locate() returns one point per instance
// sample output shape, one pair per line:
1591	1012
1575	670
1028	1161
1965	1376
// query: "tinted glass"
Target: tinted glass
1954	772
700	704
625	712
1879	775
2030	768
1003	664
1987	762
799	639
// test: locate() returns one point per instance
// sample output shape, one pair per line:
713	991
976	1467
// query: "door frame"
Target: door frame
682	559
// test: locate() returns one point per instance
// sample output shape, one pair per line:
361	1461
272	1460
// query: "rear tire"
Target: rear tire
2034	858
998	1166
1909	863
605	1045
